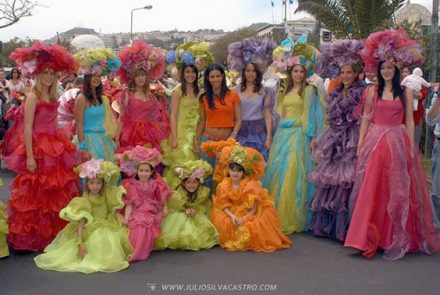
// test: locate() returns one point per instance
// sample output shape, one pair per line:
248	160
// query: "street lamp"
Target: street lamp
148	7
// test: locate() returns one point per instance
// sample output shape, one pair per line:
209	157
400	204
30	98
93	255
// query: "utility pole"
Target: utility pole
434	66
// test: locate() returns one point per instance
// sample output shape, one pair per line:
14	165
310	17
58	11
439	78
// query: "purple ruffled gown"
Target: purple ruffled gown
335	155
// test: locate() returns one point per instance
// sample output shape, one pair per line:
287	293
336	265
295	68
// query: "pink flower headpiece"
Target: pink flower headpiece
40	56
105	170
140	56
193	169
390	45
129	160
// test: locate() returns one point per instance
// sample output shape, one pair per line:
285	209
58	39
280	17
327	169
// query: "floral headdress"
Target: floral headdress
230	151
337	54
251	50
34	59
129	160
104	170
101	61
197	169
140	56
390	45
291	53
190	53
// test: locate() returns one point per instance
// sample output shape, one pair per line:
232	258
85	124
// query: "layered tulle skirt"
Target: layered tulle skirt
37	198
99	145
389	206
253	134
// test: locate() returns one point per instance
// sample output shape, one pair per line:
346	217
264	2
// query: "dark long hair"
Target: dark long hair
258	81
195	83
397	89
209	92
88	93
290	81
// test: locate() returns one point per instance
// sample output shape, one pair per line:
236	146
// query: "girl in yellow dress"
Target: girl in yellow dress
243	211
4	250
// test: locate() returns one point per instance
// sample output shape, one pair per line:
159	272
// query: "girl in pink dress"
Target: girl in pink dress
145	199
389	205
143	114
43	158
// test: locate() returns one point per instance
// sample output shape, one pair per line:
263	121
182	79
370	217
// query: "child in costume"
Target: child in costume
335	151
145	201
95	124
94	240
243	211
44	157
187	225
4	250
390	207
143	113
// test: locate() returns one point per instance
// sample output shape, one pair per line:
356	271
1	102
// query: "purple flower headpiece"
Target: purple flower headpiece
339	53
251	50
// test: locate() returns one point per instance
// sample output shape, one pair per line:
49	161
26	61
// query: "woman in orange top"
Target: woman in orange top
220	113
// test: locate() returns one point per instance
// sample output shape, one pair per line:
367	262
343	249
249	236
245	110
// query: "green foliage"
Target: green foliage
10	46
220	48
352	18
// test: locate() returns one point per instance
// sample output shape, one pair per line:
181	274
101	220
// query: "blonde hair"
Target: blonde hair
132	85
37	88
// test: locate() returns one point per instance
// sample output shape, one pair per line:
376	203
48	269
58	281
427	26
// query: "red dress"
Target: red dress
390	206
143	122
37	198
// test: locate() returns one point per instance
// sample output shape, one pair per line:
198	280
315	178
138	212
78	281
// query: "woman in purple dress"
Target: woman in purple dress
335	149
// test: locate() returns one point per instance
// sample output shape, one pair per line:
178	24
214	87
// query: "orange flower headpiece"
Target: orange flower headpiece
230	151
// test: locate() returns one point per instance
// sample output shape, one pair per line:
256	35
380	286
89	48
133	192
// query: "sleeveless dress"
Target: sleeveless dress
37	198
390	207
290	160
143	122
188	118
335	155
253	127
100	145
106	240
180	231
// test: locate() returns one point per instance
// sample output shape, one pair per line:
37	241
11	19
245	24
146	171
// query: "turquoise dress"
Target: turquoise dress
100	146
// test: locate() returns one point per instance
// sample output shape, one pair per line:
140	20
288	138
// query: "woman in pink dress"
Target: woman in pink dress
44	157
143	114
145	201
390	207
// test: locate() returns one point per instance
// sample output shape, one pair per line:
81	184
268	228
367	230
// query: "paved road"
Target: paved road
311	266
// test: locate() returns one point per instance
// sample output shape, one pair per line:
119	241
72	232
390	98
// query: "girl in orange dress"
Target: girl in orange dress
243	211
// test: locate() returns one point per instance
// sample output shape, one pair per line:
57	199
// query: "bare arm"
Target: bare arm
237	120
78	114
173	119
82	250
434	110
268	122
368	107
200	129
29	115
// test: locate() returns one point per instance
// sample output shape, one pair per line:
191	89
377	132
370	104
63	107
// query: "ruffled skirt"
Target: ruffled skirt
253	134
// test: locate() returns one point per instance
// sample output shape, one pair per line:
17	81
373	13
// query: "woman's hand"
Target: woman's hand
235	220
268	142
190	212
82	251
359	148
195	145
31	164
312	146
173	143
84	156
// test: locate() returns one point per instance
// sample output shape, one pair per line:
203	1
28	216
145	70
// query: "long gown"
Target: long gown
105	239
261	232
147	200
389	206
100	144
335	155
188	118
37	198
4	251
290	160
180	231
143	122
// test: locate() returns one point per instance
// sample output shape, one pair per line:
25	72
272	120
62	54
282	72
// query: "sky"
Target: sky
184	15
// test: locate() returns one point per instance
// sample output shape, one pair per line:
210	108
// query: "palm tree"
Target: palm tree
352	18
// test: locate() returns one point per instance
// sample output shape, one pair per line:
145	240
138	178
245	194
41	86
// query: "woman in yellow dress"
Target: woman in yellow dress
302	119
243	211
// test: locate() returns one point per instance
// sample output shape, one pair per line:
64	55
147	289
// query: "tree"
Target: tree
10	46
352	18
11	11
220	48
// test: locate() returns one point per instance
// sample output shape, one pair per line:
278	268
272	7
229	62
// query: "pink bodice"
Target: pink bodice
388	112
139	110
45	117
